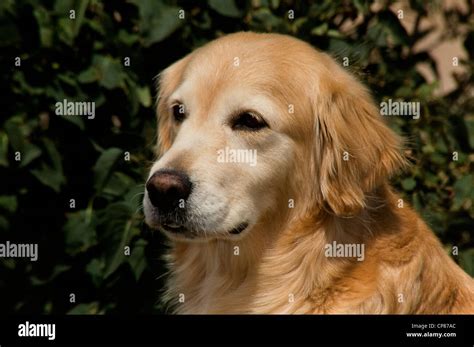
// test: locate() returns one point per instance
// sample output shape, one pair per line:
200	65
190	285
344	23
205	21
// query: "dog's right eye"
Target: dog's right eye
248	121
179	112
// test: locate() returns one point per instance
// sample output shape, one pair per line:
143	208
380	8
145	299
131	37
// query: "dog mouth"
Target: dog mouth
173	227
238	229
179	229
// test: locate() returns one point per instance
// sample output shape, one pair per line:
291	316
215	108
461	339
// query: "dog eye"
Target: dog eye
179	112
248	121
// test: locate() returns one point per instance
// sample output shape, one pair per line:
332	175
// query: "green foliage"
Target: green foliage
83	241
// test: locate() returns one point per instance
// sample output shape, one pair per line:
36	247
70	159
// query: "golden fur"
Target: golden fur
279	266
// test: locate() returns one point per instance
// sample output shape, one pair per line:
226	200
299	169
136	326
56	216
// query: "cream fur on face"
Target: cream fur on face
315	177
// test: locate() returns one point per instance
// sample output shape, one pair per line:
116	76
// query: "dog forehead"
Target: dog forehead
220	68
244	56
208	80
216	71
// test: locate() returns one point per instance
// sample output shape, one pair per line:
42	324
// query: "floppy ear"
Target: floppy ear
355	150
168	80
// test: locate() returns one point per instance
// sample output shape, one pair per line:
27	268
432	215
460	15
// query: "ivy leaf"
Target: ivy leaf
44	26
157	20
53	154
110	71
8	202
362	6
81	6
66	30
89	308
137	259
464	191
466	259
469	123
409	184
31	152
50	174
144	96
58	269
70	27
17	139
118	185
3	149
79	233
15	135
225	7
96	270
89	75
4	224
117	230
103	167
77	121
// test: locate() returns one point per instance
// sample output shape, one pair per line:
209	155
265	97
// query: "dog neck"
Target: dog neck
272	269
204	274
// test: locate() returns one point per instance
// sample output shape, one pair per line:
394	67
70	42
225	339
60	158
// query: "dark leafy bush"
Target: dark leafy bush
77	188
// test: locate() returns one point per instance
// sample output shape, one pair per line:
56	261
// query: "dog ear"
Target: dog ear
168	80
355	150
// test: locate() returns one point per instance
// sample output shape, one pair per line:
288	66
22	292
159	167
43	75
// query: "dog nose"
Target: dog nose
168	188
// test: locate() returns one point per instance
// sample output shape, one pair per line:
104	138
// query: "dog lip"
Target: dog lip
172	225
173	228
180	229
238	229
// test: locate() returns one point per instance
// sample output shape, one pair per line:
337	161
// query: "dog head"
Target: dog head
255	125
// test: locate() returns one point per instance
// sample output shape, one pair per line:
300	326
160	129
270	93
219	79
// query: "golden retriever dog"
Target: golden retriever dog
272	187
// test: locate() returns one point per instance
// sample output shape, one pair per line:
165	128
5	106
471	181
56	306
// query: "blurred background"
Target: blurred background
77	189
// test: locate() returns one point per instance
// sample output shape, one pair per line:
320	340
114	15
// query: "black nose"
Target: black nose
168	189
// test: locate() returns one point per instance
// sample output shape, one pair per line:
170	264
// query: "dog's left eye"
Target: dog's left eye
179	112
248	121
